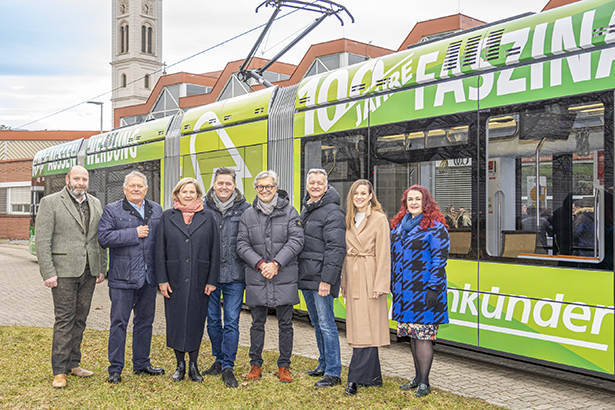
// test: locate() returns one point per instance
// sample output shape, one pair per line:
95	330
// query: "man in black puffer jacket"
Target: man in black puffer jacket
320	268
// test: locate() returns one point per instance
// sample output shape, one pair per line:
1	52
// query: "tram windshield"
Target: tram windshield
546	193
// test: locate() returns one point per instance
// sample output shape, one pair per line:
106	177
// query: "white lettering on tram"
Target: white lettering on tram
112	156
421	75
543	39
545	312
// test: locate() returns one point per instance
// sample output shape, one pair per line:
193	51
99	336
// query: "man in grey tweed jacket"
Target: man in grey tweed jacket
71	262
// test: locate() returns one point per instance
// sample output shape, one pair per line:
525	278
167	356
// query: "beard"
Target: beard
73	190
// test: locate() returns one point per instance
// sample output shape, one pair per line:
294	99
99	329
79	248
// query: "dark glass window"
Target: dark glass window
549	183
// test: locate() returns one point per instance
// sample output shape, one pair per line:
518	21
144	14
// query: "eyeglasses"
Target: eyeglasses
261	188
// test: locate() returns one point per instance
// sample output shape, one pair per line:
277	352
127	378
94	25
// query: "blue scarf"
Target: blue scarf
409	223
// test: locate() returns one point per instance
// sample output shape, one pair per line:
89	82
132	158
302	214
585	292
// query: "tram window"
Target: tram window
441	137
341	155
106	184
449	181
546	193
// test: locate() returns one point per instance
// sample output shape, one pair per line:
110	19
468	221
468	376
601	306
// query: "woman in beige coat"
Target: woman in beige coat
366	277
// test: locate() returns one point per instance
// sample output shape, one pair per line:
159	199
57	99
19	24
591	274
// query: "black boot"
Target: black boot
180	372
351	389
193	372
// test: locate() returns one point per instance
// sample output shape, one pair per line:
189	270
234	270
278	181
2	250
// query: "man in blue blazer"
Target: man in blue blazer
128	228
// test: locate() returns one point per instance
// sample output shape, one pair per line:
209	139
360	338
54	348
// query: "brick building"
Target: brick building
17	148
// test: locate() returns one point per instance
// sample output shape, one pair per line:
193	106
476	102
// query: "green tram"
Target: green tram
513	122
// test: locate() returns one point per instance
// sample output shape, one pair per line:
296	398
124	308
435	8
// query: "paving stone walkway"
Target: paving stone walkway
25	301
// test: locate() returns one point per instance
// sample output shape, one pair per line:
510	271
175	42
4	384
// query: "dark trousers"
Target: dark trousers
285	334
71	302
123	302
364	368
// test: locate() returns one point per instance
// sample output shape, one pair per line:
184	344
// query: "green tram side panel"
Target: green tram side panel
246	108
540	81
567	317
137	143
522	41
462	283
240	147
477	73
57	159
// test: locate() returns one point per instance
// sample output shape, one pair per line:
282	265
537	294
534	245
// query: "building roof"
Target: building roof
14	135
440	25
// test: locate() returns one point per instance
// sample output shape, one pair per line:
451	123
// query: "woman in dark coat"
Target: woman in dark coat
187	266
419	251
269	240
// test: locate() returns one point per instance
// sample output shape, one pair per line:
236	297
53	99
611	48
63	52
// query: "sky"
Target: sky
55	55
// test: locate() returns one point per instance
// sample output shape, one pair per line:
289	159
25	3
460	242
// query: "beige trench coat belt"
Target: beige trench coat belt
356	278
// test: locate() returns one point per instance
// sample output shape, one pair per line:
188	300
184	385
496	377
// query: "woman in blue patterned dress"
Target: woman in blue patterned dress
419	250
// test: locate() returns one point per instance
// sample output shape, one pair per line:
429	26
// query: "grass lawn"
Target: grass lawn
25	377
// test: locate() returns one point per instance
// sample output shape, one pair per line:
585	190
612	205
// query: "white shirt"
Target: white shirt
358	218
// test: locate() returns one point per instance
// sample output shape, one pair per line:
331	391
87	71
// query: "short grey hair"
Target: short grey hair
224	171
266	174
318	171
133	174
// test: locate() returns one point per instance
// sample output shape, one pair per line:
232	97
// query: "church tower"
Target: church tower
136	50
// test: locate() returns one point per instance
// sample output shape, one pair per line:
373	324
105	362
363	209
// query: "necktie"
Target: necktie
82	212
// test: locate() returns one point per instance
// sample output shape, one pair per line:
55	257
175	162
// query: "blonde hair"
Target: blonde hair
351	210
182	183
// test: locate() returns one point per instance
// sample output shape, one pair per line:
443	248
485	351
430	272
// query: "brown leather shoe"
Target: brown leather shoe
59	381
255	372
284	374
79	372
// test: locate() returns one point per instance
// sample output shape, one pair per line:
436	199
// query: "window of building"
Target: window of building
143	35
123	80
146	81
168	102
272	77
194	89
15	199
134	119
332	62
146	39
234	88
149	40
124	35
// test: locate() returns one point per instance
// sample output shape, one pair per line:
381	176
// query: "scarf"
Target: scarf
188	210
409	223
224	206
267	209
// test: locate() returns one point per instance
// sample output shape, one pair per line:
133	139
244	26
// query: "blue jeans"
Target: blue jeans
322	317
224	339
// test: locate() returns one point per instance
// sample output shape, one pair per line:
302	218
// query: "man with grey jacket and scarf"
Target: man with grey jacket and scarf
320	269
269	240
227	203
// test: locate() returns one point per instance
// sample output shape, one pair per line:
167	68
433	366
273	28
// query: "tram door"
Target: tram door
433	153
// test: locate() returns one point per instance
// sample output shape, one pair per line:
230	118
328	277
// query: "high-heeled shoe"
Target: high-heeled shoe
193	372
412	385
180	372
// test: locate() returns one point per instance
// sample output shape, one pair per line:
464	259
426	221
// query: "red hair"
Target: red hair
431	210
